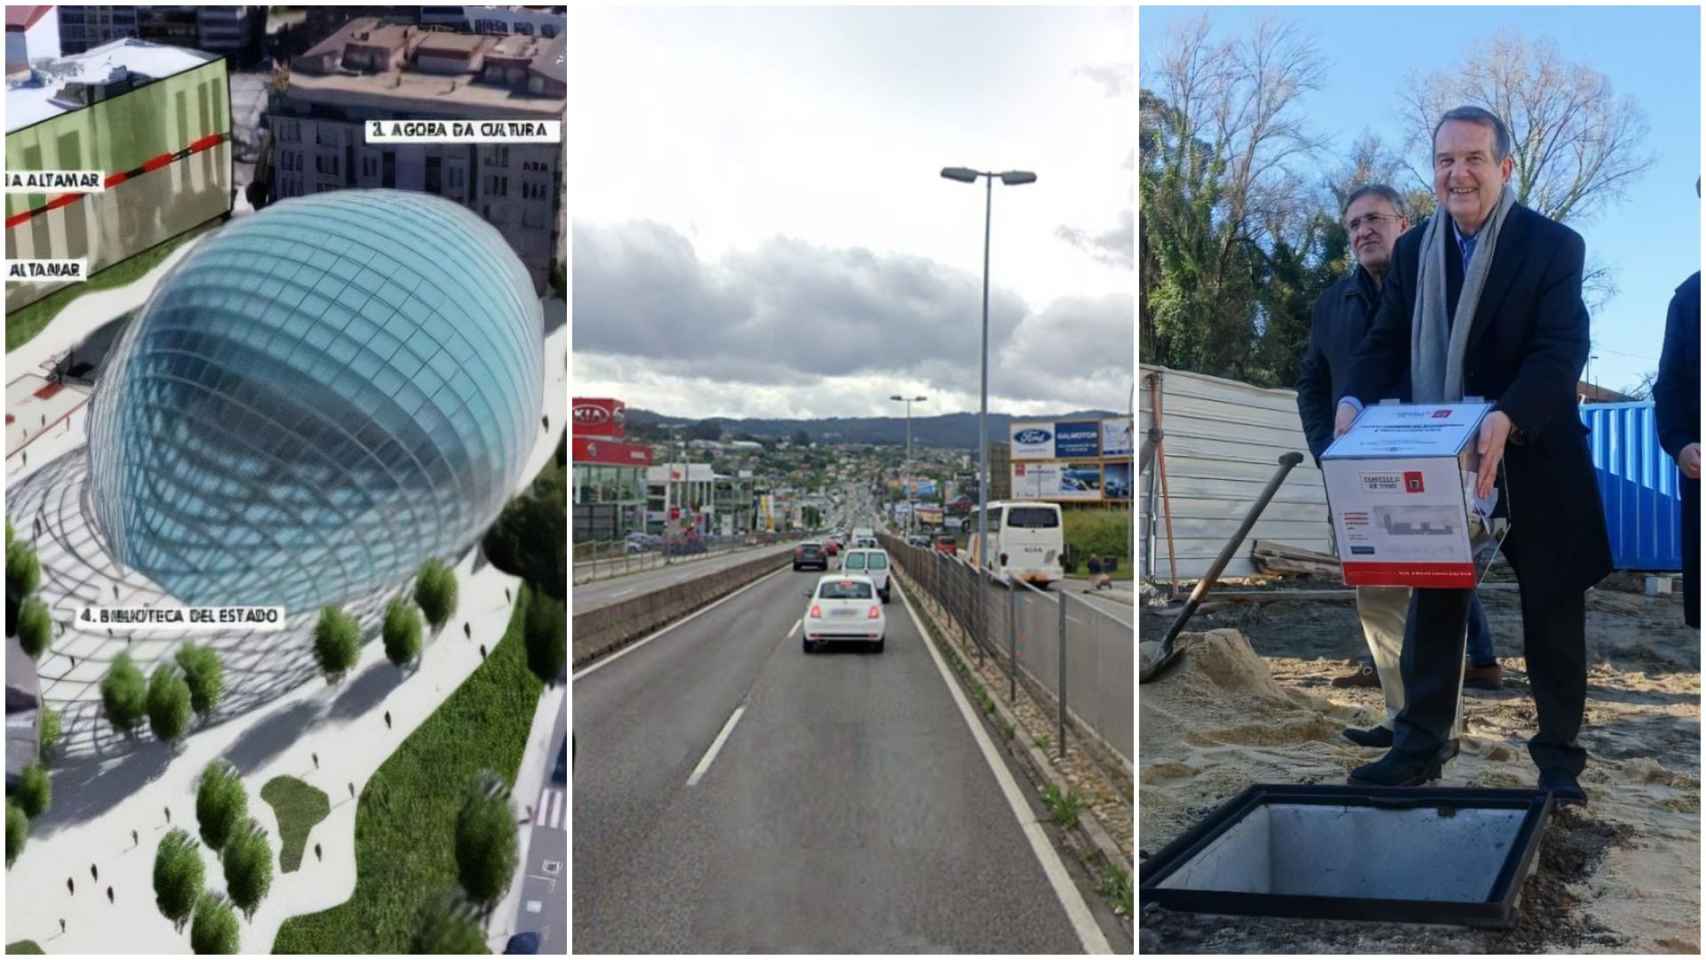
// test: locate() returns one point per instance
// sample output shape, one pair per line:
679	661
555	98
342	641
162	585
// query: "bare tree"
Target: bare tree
1643	388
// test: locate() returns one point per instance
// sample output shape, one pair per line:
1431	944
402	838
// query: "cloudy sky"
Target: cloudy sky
760	227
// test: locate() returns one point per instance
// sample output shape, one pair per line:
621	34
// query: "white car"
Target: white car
843	608
870	563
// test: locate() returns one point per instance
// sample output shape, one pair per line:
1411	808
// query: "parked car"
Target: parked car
843	609
871	563
811	554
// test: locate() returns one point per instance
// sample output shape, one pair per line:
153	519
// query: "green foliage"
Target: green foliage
8	534
205	676
214	929
177	877
25	946
35	628
528	538
406	823
1116	888
435	592
17	832
1064	808
248	867
546	634
337	643
221	803
168	703
34	791
705	430
1104	533
124	695
23	569
402	632
448	925
49	732
486	851
298	807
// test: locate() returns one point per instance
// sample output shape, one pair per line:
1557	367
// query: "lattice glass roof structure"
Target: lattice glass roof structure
322	395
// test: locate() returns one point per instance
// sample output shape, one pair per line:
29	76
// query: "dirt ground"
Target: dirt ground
1621	874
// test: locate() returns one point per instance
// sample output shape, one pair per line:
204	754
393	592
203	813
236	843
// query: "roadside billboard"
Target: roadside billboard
1116	437
1116	481
1031	440
1035	480
1080	481
1077	438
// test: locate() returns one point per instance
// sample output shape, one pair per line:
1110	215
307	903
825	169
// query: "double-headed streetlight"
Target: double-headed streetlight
909	401
1012	178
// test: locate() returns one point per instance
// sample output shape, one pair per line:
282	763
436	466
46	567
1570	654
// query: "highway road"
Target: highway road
740	796
603	593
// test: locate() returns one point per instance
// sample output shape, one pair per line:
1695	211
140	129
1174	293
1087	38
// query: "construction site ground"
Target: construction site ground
1252	702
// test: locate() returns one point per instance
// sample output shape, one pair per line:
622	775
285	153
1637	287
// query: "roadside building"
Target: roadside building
229	31
609	473
371	70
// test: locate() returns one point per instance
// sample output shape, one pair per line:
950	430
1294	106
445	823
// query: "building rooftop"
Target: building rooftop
27	104
441	42
431	94
23	18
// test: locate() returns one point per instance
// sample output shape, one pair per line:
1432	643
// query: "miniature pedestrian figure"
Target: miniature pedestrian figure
547	422
317	854
115	591
387	719
316	760
61	924
506	594
468	631
135	839
352	791
73	661
168	814
109	894
70	886
482	651
95	872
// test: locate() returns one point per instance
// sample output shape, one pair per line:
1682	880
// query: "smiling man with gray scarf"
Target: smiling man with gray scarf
1485	300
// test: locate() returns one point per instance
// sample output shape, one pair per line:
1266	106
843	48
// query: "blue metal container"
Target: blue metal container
1639	486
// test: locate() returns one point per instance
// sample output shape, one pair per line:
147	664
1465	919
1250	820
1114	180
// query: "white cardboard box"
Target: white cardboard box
1400	487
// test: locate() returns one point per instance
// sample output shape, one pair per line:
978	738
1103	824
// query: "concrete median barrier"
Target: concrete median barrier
601	632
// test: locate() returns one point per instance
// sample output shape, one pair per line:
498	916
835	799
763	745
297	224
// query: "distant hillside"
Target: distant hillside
955	430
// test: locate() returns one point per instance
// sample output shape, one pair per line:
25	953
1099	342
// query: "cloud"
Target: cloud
1115	79
1112	247
847	326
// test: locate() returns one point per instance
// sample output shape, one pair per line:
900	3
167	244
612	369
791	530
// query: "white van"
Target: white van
869	563
1026	540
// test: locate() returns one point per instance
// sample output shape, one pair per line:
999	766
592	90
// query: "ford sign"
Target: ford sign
1032	436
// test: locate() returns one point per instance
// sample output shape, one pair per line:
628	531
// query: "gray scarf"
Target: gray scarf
1437	348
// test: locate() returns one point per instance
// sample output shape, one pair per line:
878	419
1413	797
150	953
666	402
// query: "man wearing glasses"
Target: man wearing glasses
1485	299
1341	319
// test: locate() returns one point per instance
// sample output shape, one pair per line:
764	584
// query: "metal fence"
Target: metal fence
602	559
1041	638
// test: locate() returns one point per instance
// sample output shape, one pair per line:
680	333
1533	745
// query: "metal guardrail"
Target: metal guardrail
601	560
1076	656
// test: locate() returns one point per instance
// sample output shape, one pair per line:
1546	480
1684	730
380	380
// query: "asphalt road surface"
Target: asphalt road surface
848	808
603	593
543	908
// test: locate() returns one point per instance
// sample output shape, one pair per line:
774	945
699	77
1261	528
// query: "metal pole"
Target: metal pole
983	396
1060	721
1012	647
909	506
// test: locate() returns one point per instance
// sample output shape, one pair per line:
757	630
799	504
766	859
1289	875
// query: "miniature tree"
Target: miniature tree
337	644
168	703
35	628
248	868
214	929
178	874
402	632
435	591
221	803
205	675
545	631
485	840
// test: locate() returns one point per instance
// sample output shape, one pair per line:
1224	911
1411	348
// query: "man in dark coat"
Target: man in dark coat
1676	401
1524	350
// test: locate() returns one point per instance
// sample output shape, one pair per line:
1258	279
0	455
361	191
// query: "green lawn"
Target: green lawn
405	824
22	325
298	807
25	946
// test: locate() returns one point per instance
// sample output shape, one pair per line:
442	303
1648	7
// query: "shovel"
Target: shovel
1169	653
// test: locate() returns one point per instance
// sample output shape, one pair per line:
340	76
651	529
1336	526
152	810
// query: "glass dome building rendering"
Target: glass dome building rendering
319	397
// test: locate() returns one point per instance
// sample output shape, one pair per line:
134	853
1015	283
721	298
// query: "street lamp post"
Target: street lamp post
1012	178
909	401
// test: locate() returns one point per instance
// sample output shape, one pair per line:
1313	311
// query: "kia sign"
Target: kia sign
1078	439
599	417
1032	440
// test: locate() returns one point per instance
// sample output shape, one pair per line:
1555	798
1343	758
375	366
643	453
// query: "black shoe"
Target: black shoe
1397	770
1372	737
1562	785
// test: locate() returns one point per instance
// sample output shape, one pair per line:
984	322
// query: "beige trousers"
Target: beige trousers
1382	611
